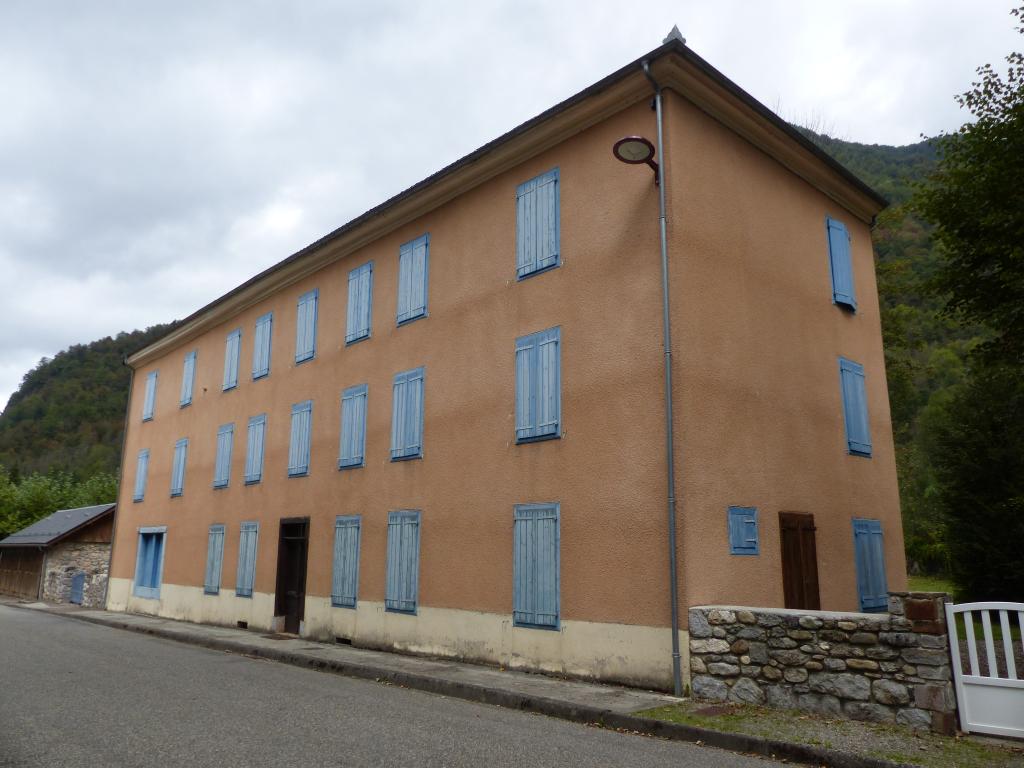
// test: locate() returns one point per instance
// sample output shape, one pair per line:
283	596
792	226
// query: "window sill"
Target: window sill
356	340
184	405
404	611
177	495
549	627
343	605
360	465
862	454
413	319
257	481
257	377
219	487
538	439
407	458
137	501
247	597
212	592
304	473
541	271
305	359
146	418
228	389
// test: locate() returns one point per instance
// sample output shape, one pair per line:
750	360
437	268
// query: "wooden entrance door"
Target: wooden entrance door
799	561
290	595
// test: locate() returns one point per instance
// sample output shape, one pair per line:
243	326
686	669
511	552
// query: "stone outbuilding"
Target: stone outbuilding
62	558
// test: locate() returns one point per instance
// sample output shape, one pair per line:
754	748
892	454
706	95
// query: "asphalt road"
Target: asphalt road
76	694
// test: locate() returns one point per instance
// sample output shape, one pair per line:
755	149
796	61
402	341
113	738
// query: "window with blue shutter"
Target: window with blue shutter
222	466
232	347
536	566
254	449
261	346
840	264
345	581
537	225
149	402
402	587
855	407
538	386
246	576
298	450
141	470
413	258
353	427
305	329
743	531
214	560
149	562
360	302
188	379
407	416
872	588
178	467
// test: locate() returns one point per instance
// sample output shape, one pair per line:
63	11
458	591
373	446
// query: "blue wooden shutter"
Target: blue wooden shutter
254	449
261	346
407	415
246	576
149	403
855	407
149	562
538	385
298	451
869	551
353	427
840	263
214	560
222	466
231	350
345	583
188	377
360	303
537	224
305	329
178	467
743	531
413	258
141	470
402	587
536	565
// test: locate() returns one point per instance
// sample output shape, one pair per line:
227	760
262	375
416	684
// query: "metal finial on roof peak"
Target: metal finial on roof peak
675	34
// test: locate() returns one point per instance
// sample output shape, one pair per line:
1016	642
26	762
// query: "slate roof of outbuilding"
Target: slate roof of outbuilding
58	525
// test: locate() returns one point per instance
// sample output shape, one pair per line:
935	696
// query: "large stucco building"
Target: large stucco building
440	428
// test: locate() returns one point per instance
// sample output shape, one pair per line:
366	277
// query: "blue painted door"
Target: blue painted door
77	588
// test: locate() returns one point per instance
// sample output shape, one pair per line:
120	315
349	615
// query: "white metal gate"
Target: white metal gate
990	696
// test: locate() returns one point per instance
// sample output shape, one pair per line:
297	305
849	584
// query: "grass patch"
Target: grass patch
929	584
890	742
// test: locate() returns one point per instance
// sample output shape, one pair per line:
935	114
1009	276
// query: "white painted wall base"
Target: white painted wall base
623	653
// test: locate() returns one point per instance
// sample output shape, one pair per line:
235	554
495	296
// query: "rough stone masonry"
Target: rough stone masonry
883	667
65	560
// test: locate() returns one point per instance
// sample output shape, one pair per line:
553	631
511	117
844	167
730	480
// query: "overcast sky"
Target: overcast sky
155	155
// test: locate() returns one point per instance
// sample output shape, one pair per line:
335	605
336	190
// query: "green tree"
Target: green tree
975	200
972	433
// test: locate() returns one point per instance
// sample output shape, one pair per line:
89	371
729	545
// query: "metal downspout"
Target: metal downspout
677	679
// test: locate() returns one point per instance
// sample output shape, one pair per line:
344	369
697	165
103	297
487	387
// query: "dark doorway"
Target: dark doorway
799	561
290	597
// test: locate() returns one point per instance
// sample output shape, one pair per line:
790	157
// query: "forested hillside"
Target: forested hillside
68	414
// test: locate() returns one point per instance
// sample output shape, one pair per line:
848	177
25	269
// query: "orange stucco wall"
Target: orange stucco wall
759	417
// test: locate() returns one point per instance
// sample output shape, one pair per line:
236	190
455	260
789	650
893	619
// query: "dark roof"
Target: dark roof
44	532
672	45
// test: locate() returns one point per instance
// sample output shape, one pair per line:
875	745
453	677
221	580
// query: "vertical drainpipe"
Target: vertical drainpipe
673	585
120	480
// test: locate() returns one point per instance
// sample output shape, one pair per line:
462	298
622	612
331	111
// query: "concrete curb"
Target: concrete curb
734	742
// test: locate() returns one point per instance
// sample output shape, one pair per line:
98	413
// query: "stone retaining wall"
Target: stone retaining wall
882	667
63	561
